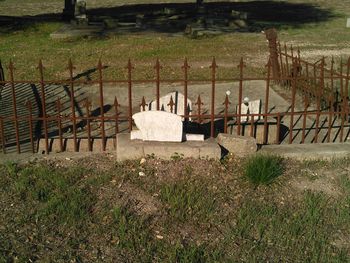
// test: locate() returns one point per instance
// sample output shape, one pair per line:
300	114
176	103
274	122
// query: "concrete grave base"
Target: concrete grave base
83	145
134	149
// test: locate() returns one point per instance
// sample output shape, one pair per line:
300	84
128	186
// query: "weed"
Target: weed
263	169
11	168
177	156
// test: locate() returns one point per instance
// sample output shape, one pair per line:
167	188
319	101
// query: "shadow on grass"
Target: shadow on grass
176	17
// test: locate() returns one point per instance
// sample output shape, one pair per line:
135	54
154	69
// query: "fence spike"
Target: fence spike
213	64
143	103
241	64
185	65
171	104
227	101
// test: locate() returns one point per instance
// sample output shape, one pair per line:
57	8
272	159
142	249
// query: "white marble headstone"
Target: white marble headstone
251	107
158	126
255	108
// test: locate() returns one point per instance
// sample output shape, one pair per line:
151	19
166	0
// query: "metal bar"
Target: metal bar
43	105
277	141
347	90
130	68
3	142
185	68
271	36
342	115
213	75
267	93
331	102
306	105
100	76
281	60
226	103
199	104
286	57
14	102
252	125
291	124
240	92
59	123
72	104
157	68
319	94
88	124
116	105
330	118
30	121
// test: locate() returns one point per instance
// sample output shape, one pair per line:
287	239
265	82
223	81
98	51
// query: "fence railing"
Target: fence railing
74	110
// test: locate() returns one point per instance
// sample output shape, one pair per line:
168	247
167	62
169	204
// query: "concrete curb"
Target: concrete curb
134	149
310	151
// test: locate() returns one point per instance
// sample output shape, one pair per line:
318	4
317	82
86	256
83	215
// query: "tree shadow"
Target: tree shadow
221	17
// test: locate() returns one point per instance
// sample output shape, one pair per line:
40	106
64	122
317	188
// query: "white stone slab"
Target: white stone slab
244	110
194	137
159	126
255	108
178	107
348	23
251	107
135	135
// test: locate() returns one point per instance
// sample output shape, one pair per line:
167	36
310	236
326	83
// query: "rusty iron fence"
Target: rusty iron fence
317	99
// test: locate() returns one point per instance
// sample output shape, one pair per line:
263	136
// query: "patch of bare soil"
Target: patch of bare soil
319	178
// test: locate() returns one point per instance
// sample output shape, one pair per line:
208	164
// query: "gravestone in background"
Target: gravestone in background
164	104
251	107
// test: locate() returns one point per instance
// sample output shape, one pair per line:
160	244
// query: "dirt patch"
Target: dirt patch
317	180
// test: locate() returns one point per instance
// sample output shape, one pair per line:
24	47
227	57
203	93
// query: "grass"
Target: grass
145	48
263	169
299	232
204	212
188	199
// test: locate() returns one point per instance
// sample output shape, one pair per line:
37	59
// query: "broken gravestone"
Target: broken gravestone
161	126
80	16
157	126
250	107
165	105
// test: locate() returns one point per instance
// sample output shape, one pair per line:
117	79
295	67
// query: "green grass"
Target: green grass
61	198
263	169
26	44
188	199
299	233
204	212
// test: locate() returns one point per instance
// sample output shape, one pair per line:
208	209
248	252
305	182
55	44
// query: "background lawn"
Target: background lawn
322	33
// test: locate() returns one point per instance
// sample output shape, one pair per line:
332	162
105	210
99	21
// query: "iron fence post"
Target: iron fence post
14	102
212	112
72	104
43	105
